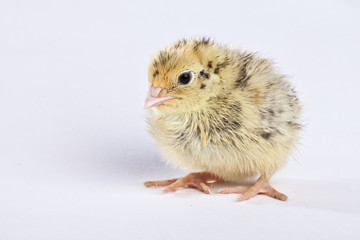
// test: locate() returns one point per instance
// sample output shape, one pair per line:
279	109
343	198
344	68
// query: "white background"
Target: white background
74	150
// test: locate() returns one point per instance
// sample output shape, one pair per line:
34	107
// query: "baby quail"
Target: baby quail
223	112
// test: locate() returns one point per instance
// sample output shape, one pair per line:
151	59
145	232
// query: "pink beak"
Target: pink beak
153	98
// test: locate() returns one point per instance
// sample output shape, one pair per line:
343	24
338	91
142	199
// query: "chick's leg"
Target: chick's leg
198	180
261	186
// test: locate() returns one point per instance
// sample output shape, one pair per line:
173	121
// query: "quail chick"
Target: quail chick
225	113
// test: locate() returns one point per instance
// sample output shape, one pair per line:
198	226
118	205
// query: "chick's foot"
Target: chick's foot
261	186
198	180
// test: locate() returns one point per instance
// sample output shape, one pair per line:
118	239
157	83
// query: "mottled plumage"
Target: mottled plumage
238	117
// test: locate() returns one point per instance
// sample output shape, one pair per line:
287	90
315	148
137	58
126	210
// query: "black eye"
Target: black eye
185	78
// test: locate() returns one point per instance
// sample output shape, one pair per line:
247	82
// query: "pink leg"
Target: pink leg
198	180
261	186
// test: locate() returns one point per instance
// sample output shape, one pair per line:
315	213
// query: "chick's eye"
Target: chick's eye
185	78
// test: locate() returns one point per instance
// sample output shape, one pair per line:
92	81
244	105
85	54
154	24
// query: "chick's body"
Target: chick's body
236	118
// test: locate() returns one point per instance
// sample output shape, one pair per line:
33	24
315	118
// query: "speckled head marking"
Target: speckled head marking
207	63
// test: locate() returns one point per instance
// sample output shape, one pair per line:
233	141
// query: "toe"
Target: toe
205	188
275	194
167	189
161	183
177	184
149	184
241	198
238	189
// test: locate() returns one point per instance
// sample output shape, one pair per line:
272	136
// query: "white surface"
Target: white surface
73	147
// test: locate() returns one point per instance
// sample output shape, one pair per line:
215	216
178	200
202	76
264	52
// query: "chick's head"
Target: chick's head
182	76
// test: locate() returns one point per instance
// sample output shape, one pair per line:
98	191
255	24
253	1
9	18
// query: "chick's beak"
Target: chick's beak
153	98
